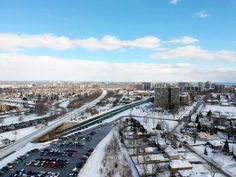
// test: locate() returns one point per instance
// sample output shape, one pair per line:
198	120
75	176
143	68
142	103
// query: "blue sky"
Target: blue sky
156	34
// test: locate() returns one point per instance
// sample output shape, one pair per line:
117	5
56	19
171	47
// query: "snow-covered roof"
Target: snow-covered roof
161	142
200	175
180	164
215	143
170	151
149	149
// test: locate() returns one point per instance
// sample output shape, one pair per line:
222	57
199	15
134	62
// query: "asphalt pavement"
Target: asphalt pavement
101	132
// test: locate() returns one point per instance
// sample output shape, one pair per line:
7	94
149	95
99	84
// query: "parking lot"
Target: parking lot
64	157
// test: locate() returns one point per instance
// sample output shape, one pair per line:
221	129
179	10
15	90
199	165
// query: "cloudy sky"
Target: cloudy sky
118	40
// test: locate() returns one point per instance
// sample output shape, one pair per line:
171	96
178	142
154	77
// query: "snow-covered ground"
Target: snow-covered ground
223	161
22	118
223	109
64	103
93	166
18	134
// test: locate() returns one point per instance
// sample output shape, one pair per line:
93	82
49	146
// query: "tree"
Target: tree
189	119
194	138
1	121
226	147
199	127
20	118
209	113
205	152
197	119
41	108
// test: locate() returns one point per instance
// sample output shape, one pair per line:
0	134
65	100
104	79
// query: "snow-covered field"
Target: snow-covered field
230	109
18	134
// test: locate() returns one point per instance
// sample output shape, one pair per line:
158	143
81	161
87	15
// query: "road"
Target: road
196	109
33	136
101	132
103	116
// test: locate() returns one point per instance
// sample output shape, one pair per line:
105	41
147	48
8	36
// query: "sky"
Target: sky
118	40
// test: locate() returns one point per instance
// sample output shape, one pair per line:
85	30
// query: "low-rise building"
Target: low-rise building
161	144
176	165
172	153
215	144
184	98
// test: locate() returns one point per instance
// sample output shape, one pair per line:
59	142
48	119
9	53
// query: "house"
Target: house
171	153
215	144
161	144
176	165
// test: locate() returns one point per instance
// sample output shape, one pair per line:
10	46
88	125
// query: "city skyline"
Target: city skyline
175	40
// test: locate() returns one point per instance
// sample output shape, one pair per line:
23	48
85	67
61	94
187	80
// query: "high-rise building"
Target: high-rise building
208	85
147	85
200	84
167	97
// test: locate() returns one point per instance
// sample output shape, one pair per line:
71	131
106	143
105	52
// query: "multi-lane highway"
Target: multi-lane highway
97	119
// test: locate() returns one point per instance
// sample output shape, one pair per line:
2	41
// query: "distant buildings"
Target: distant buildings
219	88
167	97
191	89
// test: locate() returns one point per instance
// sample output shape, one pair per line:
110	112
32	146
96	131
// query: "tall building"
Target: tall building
147	85
167	97
208	85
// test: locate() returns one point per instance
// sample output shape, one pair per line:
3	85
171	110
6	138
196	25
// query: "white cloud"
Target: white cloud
202	14
186	40
106	43
195	52
23	67
16	42
113	43
147	42
13	42
174	2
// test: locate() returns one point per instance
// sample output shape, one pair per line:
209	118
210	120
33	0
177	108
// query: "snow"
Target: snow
64	104
22	151
18	134
180	164
92	166
94	163
16	119
170	151
223	109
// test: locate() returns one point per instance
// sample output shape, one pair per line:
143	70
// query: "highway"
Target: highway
33	136
97	119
